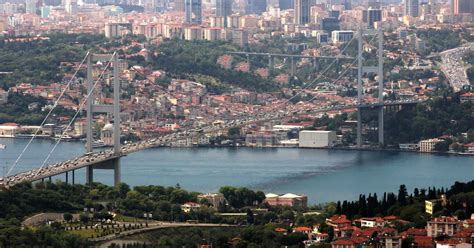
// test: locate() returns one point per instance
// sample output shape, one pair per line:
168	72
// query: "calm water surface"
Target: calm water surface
324	175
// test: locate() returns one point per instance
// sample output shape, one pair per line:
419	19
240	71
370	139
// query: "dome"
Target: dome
108	127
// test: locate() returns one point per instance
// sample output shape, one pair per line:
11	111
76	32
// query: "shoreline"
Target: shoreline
273	147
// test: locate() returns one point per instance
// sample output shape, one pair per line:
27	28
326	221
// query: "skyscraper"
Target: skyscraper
71	7
224	9
179	5
462	7
411	8
370	16
286	4
302	11
193	11
30	6
255	6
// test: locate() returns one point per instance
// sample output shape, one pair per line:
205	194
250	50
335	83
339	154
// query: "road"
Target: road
453	68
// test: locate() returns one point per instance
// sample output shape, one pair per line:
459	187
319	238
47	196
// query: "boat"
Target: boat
98	144
3	146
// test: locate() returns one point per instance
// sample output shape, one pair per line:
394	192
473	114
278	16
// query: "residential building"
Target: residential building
391	242
224	9
428	145
193	33
112	30
341	36
240	37
193	11
190	206
302	11
3	96
288	199
412	8
467	97
442	226
372	222
215	199
317	139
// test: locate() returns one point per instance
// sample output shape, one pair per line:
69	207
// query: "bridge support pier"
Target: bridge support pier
89	174
292	66
381	126
112	164
359	127
67	177
73	177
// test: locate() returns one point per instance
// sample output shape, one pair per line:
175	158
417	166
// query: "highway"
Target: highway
453	69
166	140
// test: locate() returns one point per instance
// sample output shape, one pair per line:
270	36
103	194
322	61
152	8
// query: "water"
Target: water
323	175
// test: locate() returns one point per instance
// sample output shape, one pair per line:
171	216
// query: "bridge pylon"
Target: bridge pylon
378	70
113	109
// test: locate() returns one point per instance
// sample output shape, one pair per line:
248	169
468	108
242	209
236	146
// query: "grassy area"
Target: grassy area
85	233
123	218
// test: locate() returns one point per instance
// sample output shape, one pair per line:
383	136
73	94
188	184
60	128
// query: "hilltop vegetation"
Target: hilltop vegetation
186	59
38	61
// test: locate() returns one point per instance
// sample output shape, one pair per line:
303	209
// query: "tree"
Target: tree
84	218
402	195
67	217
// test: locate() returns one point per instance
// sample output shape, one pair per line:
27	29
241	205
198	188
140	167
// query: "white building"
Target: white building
3	96
341	36
428	145
317	139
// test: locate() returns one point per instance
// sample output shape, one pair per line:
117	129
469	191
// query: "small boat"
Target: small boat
3	146
98	144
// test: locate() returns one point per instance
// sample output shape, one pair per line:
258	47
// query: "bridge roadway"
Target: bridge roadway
104	156
290	55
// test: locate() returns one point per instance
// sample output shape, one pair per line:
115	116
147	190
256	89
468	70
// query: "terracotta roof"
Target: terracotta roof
343	242
302	229
279	229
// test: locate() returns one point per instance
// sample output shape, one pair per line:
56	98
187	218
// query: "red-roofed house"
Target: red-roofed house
442	226
302	229
423	242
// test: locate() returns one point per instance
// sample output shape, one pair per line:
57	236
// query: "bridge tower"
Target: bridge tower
113	109
362	70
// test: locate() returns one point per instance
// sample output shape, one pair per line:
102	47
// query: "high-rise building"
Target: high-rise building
149	6
286	4
71	7
302	11
30	6
411	8
462	7
179	5
255	6
347	4
224	9
370	16
193	11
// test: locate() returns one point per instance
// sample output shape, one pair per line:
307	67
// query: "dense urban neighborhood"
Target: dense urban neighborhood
365	93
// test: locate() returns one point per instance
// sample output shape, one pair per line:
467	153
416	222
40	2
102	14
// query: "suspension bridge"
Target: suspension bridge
110	159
